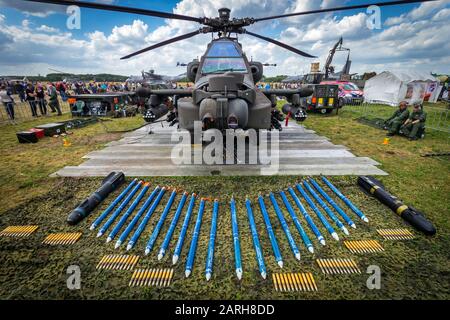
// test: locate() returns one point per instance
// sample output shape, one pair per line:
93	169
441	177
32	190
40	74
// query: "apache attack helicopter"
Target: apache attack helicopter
224	94
153	79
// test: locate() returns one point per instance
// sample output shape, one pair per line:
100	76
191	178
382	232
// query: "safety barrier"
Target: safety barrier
22	111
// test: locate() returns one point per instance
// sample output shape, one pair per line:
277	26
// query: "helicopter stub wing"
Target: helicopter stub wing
147	92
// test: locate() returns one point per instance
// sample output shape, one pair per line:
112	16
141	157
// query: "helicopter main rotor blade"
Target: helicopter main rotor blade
281	44
359	6
163	43
108	7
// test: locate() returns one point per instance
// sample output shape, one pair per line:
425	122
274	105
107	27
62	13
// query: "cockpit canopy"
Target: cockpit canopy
223	56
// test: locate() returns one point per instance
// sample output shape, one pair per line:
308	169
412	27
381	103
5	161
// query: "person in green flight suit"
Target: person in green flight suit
399	117
414	126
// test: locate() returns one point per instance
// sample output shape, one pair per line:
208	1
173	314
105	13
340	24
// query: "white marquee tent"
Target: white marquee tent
393	87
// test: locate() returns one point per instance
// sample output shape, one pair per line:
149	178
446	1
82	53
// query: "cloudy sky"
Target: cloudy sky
35	37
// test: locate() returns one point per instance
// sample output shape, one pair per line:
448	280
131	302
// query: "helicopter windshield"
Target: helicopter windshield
223	49
223	56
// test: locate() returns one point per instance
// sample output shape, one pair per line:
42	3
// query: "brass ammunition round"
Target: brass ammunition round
274	282
283	283
161	277
166	278
131	280
289	282
294	282
342	265
146	277
122	262
140	277
345	266
308	278
305	280
297	281
328	266
113	262
300	279
319	262
129	262
152	276
171	276
279	282
313	281
336	266
109	261
166	275
126	262
155	277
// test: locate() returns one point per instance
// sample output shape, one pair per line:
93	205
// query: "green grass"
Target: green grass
437	114
25	168
417	269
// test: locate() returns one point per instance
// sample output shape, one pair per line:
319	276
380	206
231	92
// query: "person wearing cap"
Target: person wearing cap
415	125
399	117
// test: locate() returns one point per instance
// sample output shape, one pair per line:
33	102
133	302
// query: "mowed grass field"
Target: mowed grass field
415	269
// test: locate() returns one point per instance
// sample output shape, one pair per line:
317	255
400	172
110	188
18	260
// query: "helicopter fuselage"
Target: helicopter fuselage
224	95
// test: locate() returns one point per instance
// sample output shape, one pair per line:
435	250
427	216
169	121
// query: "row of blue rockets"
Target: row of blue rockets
111	214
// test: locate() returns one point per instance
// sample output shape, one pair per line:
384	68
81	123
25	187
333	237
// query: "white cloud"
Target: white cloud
26	23
423	11
442	15
45	28
426	8
327	29
32	9
395	20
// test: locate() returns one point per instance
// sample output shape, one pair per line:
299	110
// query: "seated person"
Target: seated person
415	125
399	117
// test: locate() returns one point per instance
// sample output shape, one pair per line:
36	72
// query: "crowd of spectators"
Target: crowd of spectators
42	96
279	85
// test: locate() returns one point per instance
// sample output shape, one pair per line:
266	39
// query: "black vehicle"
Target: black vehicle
324	99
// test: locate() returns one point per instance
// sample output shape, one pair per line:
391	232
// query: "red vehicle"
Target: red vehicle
349	93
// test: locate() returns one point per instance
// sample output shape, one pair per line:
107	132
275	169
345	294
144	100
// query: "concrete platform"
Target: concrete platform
147	152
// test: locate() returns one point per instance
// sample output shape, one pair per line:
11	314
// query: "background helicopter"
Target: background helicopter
224	94
155	80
